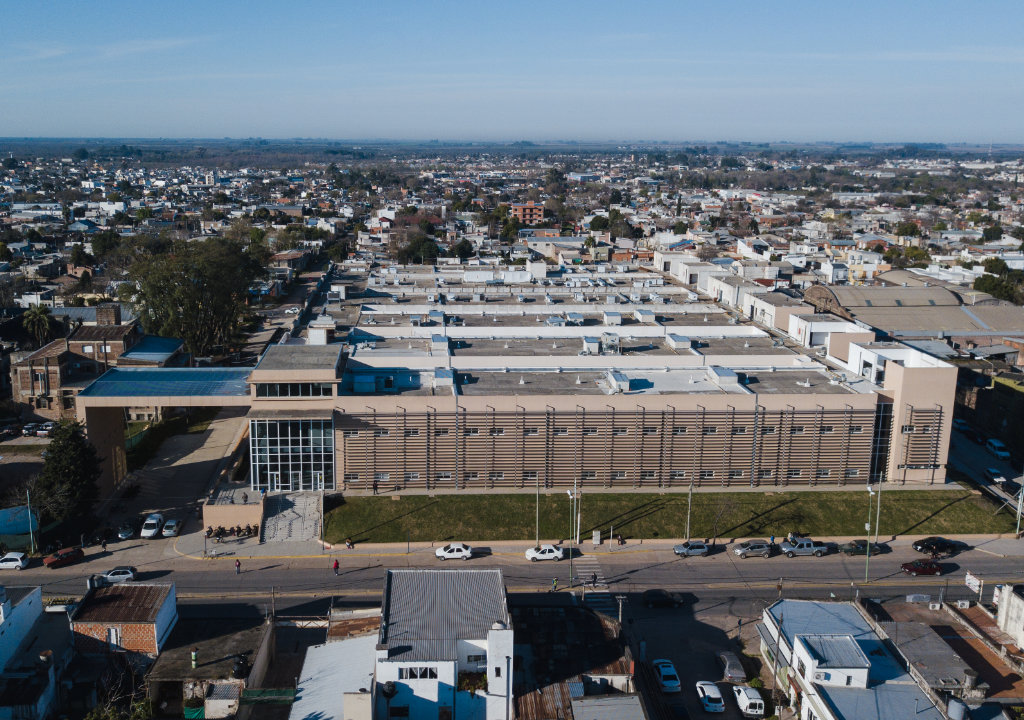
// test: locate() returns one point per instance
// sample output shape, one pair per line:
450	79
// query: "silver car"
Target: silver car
753	547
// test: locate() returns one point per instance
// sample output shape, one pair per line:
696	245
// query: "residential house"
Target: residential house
134	618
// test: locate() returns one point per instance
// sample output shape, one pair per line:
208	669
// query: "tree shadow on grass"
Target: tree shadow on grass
361	535
758	522
907	530
628	517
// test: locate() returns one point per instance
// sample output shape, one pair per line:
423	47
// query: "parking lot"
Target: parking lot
691	636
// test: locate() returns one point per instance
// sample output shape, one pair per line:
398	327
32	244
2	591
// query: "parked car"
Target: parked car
151	526
753	547
997	448
454	551
710	697
690	548
921	567
14	561
545	552
732	668
936	546
122	573
973	435
45	429
803	546
668	678
994	475
10	431
67	556
126	531
29	430
661	599
960	424
749	701
171	528
860	547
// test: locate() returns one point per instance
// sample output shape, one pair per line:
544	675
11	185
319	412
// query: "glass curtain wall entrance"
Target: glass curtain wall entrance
291	455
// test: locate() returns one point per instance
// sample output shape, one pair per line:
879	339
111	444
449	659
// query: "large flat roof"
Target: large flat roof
300	357
170	382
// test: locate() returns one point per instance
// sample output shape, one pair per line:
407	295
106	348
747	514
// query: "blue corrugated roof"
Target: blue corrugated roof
177	382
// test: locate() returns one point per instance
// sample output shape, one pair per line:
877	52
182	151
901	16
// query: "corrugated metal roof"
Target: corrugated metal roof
426	612
124	602
608	707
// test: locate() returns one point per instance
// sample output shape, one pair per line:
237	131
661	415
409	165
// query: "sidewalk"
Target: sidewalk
194	545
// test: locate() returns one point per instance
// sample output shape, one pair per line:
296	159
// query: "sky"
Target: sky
787	70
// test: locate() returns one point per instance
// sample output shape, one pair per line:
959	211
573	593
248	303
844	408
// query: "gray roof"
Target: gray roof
929	655
300	357
835	651
608	707
426	612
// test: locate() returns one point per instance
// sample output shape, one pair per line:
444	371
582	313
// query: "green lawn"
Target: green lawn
725	515
27	449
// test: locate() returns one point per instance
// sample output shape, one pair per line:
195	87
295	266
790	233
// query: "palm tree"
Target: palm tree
36	321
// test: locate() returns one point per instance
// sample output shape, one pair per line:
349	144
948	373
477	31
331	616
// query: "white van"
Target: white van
997	448
749	701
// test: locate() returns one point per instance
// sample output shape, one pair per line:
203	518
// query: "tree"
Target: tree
615	198
66	486
5	252
600	222
992	233
996	266
197	291
80	257
80	154
681	227
463	249
38	322
908	228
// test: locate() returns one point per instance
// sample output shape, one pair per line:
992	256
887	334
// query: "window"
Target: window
739	431
618	474
706	474
496	476
856	429
588	475
590	431
824	472
797	430
497	671
476	659
768	430
794	473
87	348
650	430
827	429
734	474
442	477
412	477
350	433
470	476
529	431
351	477
417	673
561	431
710	430
924	429
648	475
497	431
530	475
381	476
677	474
852	472
618	431
412	433
381	432
764	474
441	432
907	429
679	430
471	432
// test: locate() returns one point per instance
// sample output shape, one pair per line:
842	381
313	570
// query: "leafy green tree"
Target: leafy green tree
197	291
66	486
80	154
615	198
80	257
463	249
38	322
144	213
908	228
996	266
992	233
10	163
681	227
600	222
5	252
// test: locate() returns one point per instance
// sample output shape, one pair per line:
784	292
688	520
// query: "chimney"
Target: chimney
108	314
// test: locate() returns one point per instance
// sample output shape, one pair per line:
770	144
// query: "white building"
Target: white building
445	646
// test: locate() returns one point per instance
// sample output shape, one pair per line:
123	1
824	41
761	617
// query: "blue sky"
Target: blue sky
683	70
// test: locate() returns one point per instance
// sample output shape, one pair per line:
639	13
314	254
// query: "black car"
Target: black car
661	599
973	435
936	546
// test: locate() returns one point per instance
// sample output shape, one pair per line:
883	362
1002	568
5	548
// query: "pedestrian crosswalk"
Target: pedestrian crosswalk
588	572
602	602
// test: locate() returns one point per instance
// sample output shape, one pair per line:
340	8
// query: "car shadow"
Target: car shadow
151	575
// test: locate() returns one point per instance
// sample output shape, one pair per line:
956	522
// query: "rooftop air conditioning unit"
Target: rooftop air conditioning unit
935	606
963	604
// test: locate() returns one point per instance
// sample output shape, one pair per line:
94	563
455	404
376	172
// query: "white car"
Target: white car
749	701
292	311
151	528
14	561
667	676
544	552
171	528
994	475
710	697
690	548
454	551
120	574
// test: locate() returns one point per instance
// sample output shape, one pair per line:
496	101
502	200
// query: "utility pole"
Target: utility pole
31	533
689	504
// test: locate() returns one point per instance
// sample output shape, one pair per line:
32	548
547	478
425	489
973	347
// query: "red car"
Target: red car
67	556
921	567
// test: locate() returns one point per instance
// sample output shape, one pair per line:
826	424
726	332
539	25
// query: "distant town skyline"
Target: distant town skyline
594	71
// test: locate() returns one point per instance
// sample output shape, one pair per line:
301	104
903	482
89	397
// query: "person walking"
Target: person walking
593	581
103	545
335	566
554	584
238	567
771	541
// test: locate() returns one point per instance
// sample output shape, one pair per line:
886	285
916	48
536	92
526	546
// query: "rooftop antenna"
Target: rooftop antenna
578	380
522	380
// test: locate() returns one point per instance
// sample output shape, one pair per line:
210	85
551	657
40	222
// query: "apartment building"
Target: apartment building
528	213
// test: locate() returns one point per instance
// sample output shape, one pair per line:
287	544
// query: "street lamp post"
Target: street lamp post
689	504
867	529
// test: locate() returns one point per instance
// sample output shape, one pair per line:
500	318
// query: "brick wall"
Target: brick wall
91	638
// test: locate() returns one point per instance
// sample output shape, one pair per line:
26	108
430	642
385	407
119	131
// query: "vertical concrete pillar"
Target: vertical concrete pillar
104	427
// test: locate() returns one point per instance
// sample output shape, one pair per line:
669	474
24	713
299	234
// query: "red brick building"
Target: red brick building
132	618
528	213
